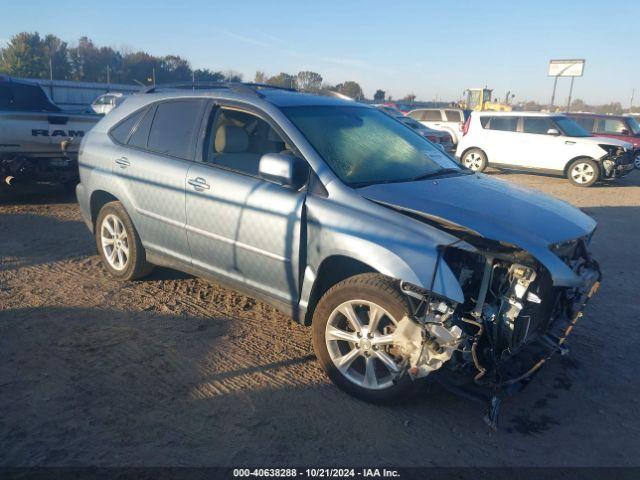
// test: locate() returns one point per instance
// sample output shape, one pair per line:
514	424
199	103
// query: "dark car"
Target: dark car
616	126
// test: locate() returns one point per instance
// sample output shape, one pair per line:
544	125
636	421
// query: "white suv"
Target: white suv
543	142
448	120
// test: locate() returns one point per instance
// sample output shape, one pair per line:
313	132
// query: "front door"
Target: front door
541	149
238	225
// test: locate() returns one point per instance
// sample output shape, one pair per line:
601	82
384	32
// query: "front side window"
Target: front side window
175	127
504	124
365	146
237	139
538	125
570	128
633	125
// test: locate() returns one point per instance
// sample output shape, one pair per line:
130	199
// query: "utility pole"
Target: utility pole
570	92
51	78
633	93
108	76
153	73
553	95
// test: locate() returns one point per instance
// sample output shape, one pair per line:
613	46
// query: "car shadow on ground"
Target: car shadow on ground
28	239
35	194
631	180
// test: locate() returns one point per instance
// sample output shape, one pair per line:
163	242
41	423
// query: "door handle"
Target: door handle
123	162
199	183
569	142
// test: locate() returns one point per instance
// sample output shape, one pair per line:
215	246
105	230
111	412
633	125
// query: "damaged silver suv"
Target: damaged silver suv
405	264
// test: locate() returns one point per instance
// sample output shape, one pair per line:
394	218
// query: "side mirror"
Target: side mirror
284	169
553	131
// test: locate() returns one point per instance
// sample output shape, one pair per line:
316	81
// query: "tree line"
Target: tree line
28	54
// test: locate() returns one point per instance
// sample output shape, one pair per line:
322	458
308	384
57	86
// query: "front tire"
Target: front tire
352	328
119	244
474	159
583	172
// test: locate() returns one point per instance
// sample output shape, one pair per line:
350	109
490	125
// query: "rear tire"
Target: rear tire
474	159
359	359
119	244
583	172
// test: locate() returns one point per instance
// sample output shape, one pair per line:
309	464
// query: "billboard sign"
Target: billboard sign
566	68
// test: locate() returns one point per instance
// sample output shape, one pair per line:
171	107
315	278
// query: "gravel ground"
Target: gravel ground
175	370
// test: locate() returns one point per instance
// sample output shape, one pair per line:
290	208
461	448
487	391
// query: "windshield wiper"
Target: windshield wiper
438	173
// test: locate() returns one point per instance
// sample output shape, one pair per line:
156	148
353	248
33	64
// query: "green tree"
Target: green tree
378	97
260	77
26	55
351	89
92	64
173	69
206	75
283	80
308	81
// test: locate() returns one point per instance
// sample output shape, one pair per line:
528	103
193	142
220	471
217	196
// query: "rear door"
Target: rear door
500	139
153	167
240	226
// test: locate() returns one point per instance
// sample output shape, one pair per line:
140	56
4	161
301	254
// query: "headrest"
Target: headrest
231	139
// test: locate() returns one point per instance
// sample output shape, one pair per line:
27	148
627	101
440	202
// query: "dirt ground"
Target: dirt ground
174	370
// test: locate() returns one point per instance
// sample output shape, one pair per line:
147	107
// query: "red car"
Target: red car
616	126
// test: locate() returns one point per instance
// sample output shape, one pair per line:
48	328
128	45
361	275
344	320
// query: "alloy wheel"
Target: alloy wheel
473	161
582	173
359	340
115	242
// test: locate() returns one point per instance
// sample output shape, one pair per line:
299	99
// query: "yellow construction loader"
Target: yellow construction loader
480	99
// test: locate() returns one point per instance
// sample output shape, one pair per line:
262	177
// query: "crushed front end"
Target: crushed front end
512	321
618	162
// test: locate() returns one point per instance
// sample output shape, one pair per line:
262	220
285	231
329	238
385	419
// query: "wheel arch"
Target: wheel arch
331	271
98	199
565	170
466	150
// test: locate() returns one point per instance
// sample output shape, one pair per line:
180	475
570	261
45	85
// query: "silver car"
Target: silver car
403	262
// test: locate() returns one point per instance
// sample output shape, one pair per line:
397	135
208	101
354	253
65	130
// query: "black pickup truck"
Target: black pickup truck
38	141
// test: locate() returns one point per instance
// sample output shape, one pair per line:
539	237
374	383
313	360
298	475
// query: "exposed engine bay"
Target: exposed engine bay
618	162
512	320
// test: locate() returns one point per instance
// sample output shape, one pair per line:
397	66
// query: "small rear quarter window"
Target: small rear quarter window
120	133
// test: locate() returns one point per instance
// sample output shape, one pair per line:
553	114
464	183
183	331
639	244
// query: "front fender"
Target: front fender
408	254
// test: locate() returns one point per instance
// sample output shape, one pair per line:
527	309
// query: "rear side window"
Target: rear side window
140	134
539	125
612	126
505	124
584	122
120	133
453	116
175	126
432	116
416	114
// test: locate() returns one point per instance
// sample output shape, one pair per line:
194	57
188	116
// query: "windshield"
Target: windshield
633	124
570	128
364	146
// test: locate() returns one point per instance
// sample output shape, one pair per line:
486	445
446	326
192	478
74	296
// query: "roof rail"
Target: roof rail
250	88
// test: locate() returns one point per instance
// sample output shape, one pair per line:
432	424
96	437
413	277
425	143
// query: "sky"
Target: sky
433	49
